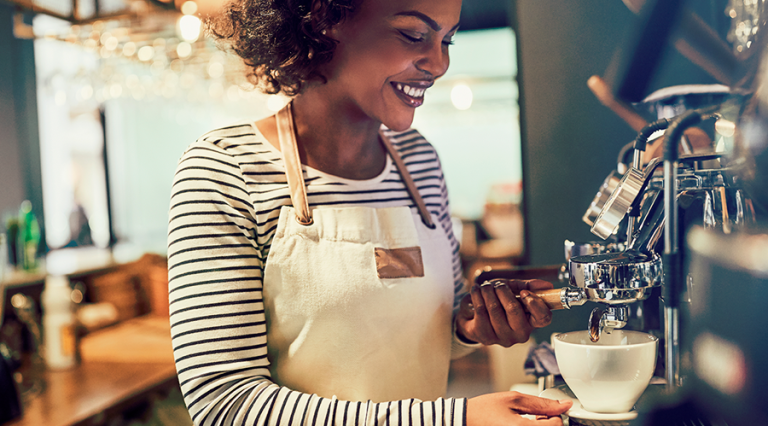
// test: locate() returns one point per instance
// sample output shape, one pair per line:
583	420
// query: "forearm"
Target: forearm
260	402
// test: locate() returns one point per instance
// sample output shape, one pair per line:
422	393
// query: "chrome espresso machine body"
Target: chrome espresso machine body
684	239
635	273
645	221
642	274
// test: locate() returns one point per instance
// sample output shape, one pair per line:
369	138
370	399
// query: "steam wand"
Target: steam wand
672	257
639	147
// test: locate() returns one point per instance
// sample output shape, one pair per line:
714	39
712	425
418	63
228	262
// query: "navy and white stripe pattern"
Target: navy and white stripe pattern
228	191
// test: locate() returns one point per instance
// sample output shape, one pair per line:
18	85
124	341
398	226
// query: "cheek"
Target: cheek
378	62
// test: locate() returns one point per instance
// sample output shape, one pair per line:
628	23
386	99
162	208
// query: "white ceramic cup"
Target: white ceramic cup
607	376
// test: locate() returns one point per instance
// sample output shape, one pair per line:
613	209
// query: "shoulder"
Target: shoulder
231	137
230	141
228	146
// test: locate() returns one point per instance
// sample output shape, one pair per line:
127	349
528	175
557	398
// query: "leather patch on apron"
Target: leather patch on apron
399	263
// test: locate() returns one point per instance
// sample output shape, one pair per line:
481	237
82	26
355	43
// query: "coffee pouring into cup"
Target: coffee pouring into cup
607	376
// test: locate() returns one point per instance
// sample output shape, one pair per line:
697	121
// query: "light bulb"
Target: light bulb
189	27
189	8
146	53
461	96
184	49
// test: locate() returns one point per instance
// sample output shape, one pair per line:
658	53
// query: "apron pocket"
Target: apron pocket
399	263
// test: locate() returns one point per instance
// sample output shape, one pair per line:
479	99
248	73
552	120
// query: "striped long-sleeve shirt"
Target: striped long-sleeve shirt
227	194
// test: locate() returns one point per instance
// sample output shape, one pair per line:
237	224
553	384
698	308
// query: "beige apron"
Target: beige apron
337	325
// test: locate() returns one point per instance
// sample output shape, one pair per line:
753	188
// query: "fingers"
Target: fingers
533	285
482	329
538	285
501	321
548	421
516	327
509	408
466	308
529	404
539	314
464	320
491	314
539	421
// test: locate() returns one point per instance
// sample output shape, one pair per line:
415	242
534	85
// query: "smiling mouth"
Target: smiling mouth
413	96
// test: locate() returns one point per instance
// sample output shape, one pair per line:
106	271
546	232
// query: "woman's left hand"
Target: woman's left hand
492	314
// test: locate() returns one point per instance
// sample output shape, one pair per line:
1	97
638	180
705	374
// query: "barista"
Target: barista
314	277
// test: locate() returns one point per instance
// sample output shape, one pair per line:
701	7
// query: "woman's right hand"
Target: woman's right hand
492	315
508	408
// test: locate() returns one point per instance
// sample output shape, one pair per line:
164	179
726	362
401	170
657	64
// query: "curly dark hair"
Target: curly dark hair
281	41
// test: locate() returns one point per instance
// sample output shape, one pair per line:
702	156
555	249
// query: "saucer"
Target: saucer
577	412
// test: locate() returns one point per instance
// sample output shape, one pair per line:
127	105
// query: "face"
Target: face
389	53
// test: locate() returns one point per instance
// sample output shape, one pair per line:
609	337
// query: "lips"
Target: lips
412	94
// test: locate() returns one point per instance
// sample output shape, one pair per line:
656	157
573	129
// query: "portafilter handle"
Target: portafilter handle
554	298
561	298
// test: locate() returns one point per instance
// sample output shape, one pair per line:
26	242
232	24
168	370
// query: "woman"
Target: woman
314	275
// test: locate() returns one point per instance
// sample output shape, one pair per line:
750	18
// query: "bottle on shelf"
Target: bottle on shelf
59	323
29	237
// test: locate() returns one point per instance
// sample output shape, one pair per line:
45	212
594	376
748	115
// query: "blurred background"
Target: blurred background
101	97
99	105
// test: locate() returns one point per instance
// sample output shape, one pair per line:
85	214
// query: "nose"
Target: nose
435	59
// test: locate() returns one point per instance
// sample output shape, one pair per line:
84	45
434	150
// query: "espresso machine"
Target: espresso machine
694	232
646	220
681	247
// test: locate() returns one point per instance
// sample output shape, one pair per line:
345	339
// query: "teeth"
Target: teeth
410	91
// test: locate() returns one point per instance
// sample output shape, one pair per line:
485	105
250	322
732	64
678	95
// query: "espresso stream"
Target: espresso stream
594	324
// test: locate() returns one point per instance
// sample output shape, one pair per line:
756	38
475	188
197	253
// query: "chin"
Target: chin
399	124
398	128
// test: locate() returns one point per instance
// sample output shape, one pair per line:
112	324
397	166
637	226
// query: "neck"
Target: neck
336	137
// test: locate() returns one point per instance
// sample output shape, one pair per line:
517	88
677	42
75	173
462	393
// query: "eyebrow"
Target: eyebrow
427	20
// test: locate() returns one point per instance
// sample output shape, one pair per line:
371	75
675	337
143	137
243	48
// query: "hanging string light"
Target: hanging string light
157	53
745	23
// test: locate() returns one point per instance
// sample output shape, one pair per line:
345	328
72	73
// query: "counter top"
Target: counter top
21	278
121	366
71	262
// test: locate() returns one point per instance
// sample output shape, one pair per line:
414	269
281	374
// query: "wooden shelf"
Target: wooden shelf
69	262
122	366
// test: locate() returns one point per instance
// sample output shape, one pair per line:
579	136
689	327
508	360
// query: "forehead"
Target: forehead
445	12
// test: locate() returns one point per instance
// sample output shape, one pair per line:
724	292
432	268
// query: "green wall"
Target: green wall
20	176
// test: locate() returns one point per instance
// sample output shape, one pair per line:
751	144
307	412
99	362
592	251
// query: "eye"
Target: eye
448	40
412	37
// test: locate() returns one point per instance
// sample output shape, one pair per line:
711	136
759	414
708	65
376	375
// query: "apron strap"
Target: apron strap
295	176
293	173
409	184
